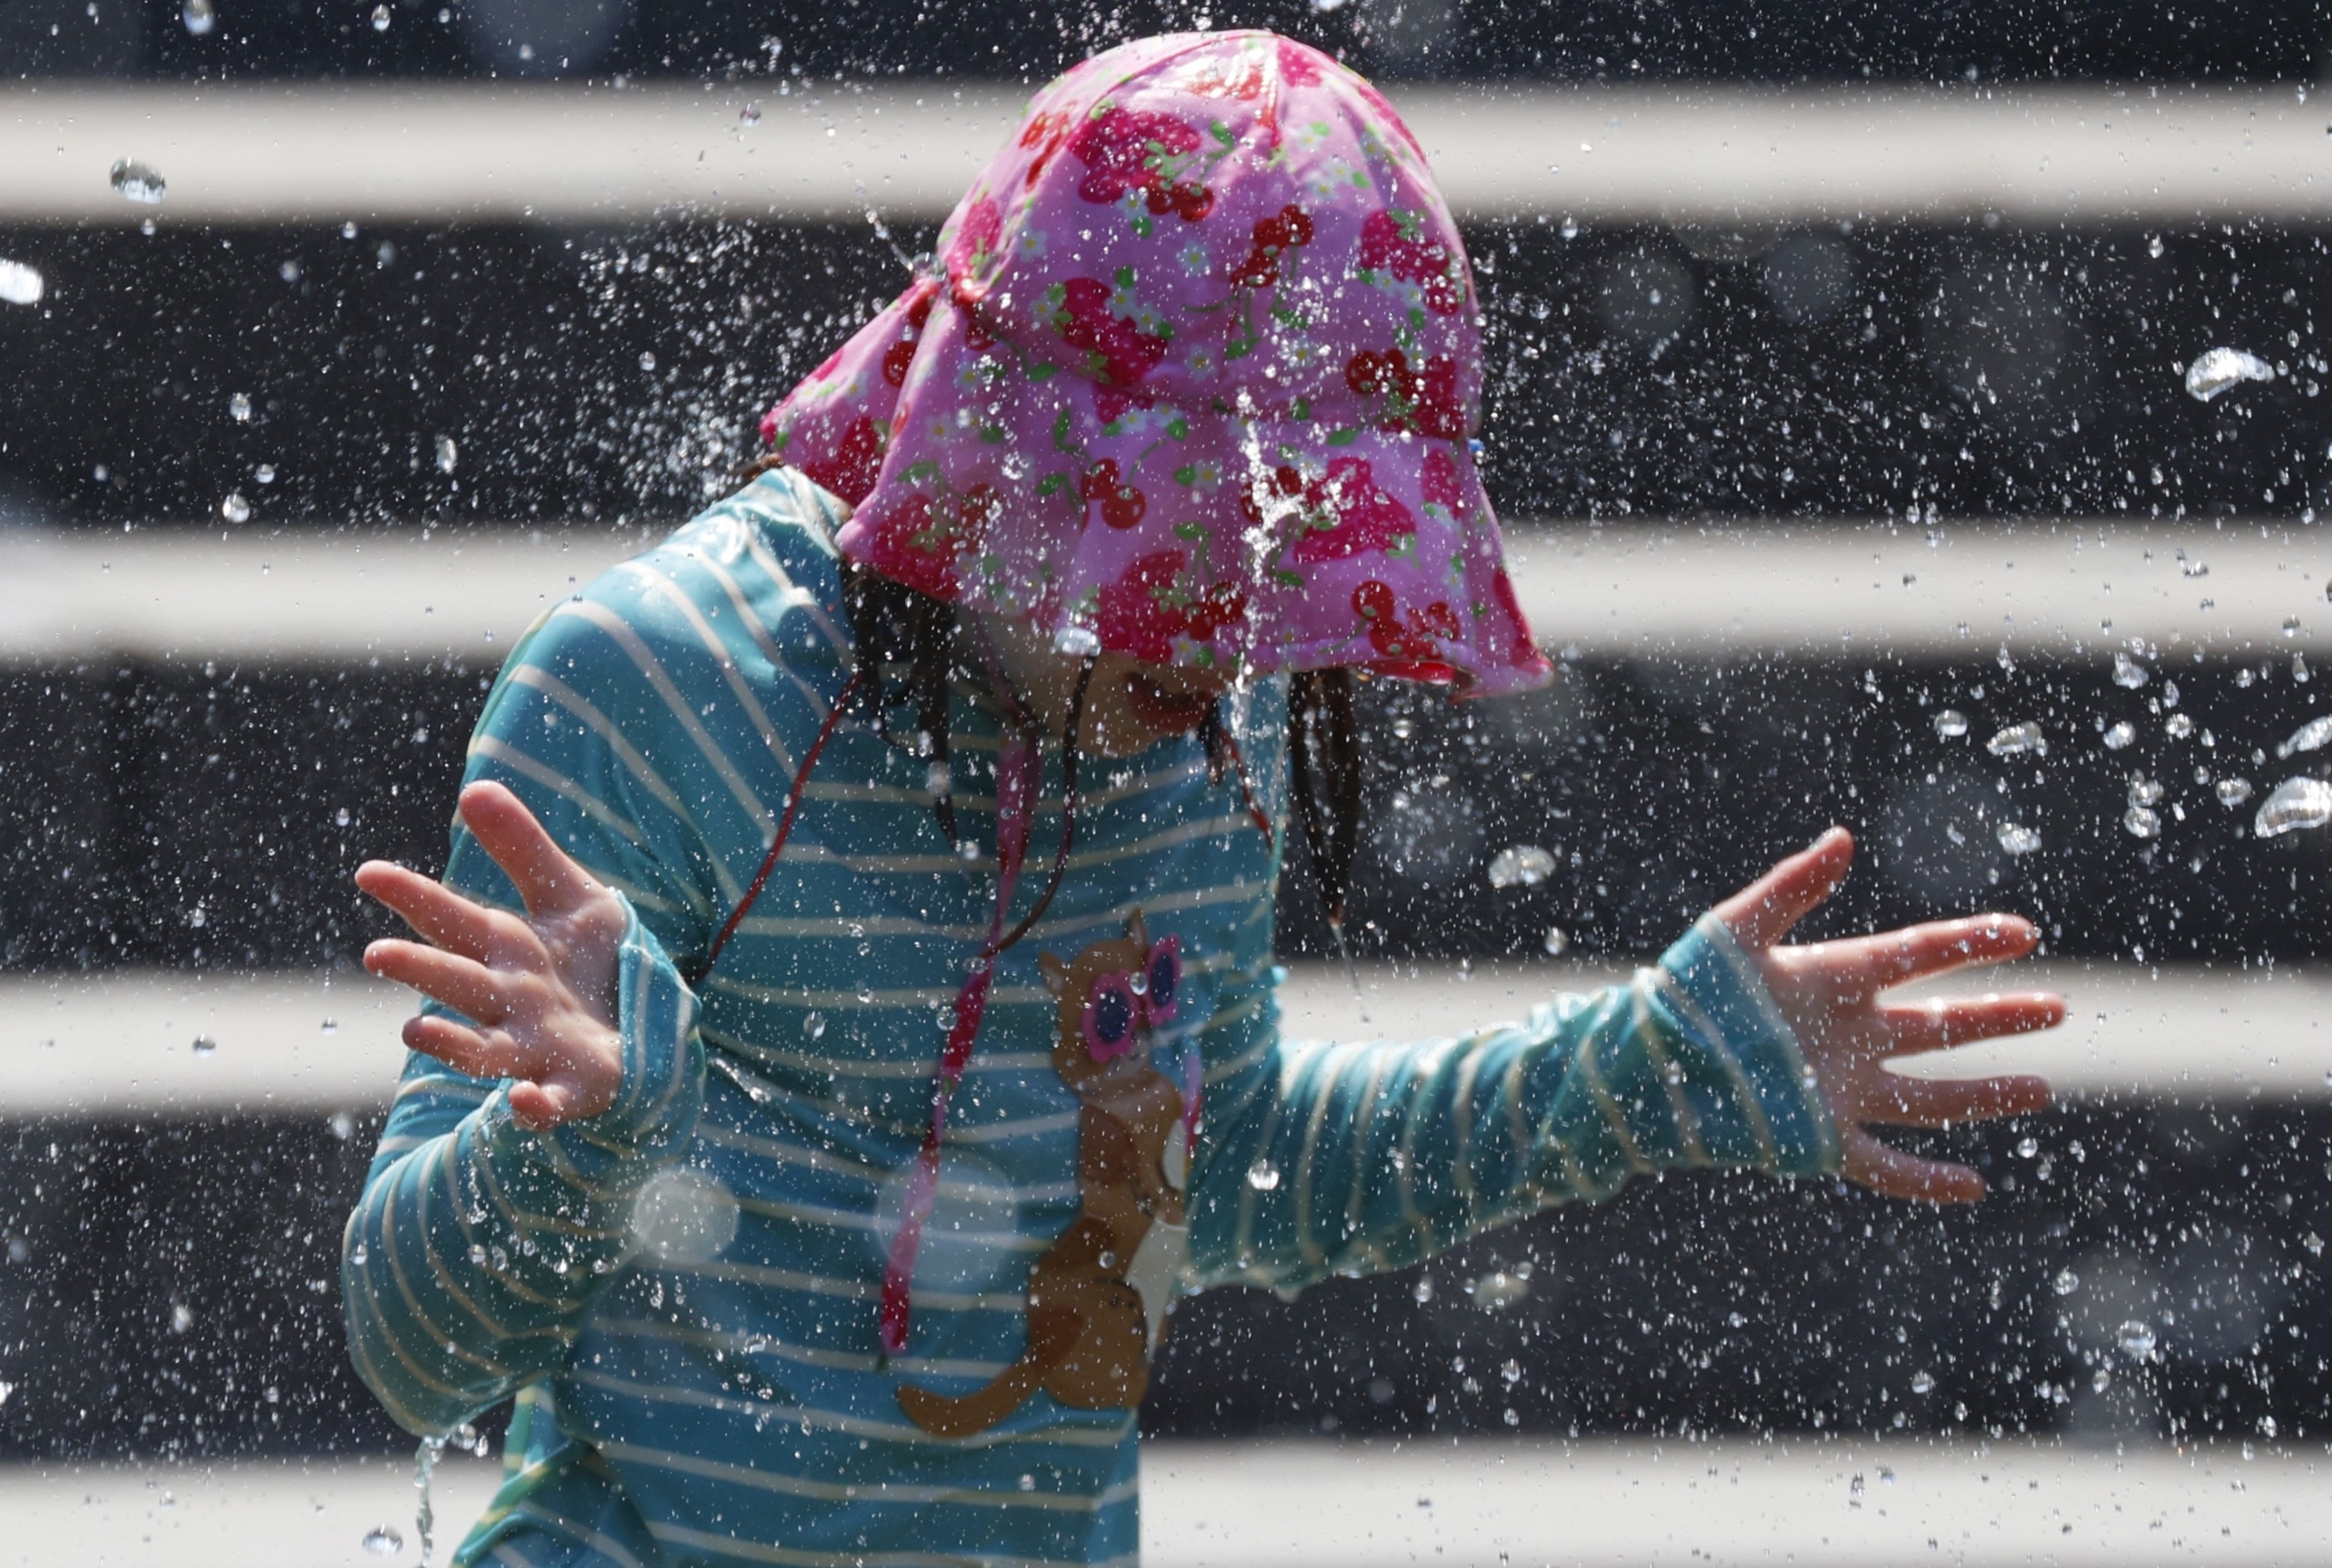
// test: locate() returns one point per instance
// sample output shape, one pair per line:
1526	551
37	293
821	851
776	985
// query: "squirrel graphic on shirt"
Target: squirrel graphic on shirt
1097	1297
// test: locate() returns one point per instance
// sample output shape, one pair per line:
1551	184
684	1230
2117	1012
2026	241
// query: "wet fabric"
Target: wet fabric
1194	380
684	1286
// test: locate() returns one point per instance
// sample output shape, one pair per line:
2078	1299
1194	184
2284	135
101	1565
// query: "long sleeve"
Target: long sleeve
476	1249
479	1248
1327	1159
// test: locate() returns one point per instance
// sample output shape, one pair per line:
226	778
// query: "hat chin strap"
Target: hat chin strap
1019	776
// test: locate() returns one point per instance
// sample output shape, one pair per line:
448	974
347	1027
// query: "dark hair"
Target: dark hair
907	653
906	643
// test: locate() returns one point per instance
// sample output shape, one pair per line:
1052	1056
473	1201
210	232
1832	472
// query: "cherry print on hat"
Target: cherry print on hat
1194	380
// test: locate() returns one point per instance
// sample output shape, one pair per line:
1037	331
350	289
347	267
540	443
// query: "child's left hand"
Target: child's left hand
1829	993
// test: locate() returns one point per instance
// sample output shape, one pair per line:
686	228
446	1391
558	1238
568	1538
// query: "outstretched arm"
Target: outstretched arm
1735	1050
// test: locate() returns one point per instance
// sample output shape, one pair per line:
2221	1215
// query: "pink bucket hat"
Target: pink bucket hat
1194	382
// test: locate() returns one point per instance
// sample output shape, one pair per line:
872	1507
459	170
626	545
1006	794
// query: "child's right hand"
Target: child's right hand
542	990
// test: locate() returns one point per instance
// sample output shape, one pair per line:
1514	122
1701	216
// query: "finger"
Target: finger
1763	913
1939	1023
538	1107
546	878
1902	1102
1894	958
1891	1173
433	909
465	1049
461	983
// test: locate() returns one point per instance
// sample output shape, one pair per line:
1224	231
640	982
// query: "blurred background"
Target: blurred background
1841	419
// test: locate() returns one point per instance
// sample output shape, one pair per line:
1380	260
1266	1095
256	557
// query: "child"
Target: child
1171	441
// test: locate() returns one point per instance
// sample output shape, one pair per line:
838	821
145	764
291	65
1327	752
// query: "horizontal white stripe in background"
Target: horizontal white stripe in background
325	153
122	1043
1644	586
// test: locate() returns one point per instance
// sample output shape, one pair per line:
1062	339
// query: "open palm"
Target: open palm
1830	993
541	988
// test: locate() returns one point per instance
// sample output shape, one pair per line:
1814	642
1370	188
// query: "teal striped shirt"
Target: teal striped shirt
682	1291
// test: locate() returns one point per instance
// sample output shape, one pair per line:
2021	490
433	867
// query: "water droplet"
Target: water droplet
234	509
2301	802
2018	739
182	1317
2142	822
2027	1146
1424	1291
139	182
1076	642
205	1045
1403	728
2179	726
2128	671
383	1541
2018	839
648	359
1263	1175
2143	791
2135	1339
343	1125
238	407
1951	724
381	19
331	1025
1569	230
1923	1383
2154	246
2065	1283
197	17
750	115
1498	1290
448	454
814	1024
1556	942
2120	735
2314	1243
1521	866
21	285
2216	370
264	473
2232	791
359	1255
2101	1380
2310	736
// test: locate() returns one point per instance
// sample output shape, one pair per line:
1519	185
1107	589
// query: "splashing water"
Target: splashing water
1951	724
2217	369
2128	672
2232	791
2120	735
2017	739
2142	822
2065	1283
1521	866
140	183
2018	839
425	1512
21	285
2310	736
2301	802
